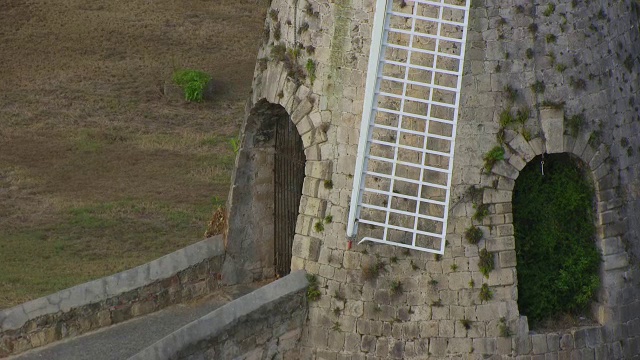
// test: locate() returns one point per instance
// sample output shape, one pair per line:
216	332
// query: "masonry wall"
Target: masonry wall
263	325
181	276
359	318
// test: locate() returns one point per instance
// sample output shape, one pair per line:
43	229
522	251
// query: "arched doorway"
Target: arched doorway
265	197
289	162
558	261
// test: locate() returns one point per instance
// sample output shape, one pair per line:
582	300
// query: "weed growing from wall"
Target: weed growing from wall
557	260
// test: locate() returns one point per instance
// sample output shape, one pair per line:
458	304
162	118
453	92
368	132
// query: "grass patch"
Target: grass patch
558	261
193	82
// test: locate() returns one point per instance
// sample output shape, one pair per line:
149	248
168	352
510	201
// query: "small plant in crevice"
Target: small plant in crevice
529	53
482	211
313	293
414	267
273	14
433	282
503	328
328	184
560	67
277	31
558	105
304	27
510	93
574	124
577	83
473	235
339	296
498	68
551	8
485	293
538	87
486	262
336	326
595	138
551	38
436	303
328	219
336	311
373	270
318	226
454	267
437	257
395	287
472	283
492	157
466	324
533	28
394	259
310	49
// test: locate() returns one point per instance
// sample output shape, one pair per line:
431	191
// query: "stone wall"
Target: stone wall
265	324
181	276
586	55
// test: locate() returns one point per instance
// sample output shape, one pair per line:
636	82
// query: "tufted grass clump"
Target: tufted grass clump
313	293
486	263
485	293
492	157
192	82
473	235
373	270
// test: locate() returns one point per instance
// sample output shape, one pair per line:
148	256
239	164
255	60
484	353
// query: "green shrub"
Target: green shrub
557	260
192	82
486	263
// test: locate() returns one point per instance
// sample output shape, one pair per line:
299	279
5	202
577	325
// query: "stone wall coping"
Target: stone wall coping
216	322
113	285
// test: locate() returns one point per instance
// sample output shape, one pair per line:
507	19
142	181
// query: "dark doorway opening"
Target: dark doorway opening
289	164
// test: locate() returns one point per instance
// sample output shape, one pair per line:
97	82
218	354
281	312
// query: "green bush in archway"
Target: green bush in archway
558	261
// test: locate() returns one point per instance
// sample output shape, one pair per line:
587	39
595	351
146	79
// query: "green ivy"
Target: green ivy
557	260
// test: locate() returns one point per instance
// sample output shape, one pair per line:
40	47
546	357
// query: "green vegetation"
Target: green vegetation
482	211
318	226
193	82
551	8
486	263
529	53
473	235
395	287
574	124
504	328
311	70
558	261
494	155
466	324
485	293
313	293
373	270
538	87
551	38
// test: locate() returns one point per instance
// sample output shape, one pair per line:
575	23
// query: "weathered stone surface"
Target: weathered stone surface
552	121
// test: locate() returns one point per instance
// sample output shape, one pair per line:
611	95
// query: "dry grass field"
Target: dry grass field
99	171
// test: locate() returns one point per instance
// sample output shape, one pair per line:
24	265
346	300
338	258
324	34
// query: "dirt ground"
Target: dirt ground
99	171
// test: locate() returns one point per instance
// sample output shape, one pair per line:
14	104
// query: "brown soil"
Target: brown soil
99	171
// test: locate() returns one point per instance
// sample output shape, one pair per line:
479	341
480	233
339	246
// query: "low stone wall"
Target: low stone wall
183	275
265	324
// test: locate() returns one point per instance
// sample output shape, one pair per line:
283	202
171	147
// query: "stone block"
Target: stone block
615	261
553	342
538	146
492	196
306	247
552	121
438	346
522	147
539	343
507	258
505	169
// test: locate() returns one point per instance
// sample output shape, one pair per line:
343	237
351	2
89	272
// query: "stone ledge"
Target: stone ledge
184	274
194	337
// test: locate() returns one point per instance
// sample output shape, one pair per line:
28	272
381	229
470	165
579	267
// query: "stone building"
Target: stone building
561	58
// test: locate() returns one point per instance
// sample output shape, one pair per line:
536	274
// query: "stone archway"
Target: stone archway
266	193
557	259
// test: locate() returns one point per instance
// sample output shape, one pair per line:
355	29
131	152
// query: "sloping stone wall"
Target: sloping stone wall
420	305
265	324
181	276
